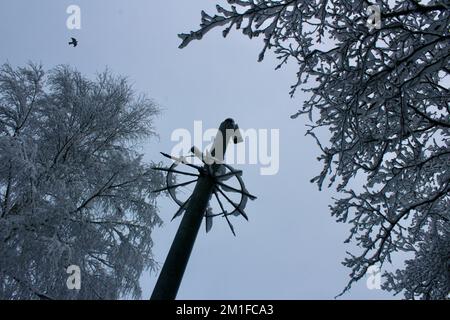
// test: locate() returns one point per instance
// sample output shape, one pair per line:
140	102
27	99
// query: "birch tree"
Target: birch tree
376	74
74	191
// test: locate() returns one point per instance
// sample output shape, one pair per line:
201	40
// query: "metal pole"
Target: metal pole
169	280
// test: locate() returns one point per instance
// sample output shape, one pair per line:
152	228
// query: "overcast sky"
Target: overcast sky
291	248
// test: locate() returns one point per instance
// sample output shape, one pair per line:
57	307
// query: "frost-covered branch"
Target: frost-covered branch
383	95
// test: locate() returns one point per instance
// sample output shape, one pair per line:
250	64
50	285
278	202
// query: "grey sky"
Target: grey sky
291	248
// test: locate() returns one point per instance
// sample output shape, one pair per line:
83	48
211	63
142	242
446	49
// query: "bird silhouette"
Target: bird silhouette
74	42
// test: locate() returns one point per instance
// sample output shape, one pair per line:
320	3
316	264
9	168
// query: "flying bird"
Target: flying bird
74	42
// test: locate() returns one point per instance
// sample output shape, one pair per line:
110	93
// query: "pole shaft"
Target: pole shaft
168	283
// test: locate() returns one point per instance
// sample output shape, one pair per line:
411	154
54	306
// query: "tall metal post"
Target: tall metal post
169	280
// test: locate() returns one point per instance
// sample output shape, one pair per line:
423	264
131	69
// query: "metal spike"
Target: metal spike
225	214
230	225
175	171
208	220
175	186
229	188
233	204
181	209
182	160
228	174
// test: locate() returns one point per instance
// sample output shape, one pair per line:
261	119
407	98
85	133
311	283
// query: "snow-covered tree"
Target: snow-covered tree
73	188
380	85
